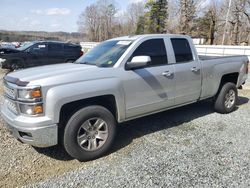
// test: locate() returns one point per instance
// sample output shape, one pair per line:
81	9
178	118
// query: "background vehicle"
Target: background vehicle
78	104
39	53
7	45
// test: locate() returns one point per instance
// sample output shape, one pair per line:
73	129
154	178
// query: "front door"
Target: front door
37	54
151	88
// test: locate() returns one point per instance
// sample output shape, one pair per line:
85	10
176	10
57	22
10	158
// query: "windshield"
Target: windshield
25	46
105	54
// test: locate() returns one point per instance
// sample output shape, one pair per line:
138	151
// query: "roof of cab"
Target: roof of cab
54	41
135	37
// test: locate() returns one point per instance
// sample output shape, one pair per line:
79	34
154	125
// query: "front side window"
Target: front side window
182	50
38	48
105	54
155	48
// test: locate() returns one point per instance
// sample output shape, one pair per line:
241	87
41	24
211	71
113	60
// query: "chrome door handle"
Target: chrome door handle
167	74
195	69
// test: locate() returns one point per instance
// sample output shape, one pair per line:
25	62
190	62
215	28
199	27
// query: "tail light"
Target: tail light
81	53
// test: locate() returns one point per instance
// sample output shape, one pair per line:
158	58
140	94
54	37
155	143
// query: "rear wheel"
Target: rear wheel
89	133
227	98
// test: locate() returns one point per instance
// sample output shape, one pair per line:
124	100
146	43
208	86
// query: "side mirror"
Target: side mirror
138	62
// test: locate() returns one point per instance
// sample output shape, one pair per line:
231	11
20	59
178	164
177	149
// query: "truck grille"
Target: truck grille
11	106
9	91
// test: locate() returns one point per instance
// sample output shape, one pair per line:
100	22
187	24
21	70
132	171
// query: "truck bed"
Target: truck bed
214	67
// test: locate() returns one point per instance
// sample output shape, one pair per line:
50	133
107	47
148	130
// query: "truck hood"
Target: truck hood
53	74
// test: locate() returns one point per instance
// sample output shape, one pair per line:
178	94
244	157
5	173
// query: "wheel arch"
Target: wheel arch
231	77
107	101
18	61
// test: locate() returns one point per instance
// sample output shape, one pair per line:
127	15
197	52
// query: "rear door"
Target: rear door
71	52
187	72
55	53
151	88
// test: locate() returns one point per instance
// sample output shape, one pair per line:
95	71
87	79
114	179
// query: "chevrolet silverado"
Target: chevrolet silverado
80	104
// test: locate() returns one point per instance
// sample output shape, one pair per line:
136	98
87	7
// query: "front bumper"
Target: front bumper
36	131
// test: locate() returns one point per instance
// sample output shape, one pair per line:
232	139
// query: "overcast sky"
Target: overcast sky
45	15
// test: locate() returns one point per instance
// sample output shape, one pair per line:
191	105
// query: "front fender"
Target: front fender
60	95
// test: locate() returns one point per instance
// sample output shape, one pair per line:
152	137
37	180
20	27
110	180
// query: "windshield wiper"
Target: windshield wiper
86	63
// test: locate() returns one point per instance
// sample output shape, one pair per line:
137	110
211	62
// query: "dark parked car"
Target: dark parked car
39	53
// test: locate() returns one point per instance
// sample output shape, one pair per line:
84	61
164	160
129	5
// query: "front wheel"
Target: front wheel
89	133
16	65
226	99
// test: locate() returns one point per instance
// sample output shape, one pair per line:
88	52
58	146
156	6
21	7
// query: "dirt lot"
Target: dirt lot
189	146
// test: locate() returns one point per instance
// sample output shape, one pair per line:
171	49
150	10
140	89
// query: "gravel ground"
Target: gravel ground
190	146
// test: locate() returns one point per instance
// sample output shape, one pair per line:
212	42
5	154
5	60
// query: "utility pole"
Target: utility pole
227	17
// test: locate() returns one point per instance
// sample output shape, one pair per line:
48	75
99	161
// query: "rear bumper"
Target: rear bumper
36	131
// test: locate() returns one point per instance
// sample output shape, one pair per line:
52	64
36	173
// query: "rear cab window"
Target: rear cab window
182	50
155	48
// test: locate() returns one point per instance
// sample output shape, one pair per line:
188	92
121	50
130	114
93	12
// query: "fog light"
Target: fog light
25	134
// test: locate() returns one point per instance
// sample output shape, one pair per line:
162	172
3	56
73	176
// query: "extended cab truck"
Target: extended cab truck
79	104
39	53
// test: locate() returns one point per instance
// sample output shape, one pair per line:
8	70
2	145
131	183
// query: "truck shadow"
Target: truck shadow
137	128
127	132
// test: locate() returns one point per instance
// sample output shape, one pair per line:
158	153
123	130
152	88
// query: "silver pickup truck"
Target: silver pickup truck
79	104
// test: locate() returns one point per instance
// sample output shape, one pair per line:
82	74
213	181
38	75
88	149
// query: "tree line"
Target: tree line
21	36
217	21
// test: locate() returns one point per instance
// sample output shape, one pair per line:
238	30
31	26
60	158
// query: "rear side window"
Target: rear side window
182	50
53	47
155	48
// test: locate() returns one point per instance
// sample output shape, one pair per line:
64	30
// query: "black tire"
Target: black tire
221	98
16	64
71	132
14	67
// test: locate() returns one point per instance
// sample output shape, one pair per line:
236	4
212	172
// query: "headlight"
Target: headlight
31	109
29	93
